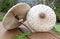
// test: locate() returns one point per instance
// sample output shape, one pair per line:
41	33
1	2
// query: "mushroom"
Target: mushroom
41	18
15	15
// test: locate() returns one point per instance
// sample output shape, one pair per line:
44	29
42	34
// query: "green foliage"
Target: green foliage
6	4
1	18
57	10
1	15
57	5
57	28
58	17
23	35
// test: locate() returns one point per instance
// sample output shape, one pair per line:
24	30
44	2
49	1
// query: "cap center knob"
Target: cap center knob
42	15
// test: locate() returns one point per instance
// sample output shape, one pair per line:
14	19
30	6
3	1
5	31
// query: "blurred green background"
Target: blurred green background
5	5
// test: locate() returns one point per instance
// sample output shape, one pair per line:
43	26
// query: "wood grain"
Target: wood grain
4	34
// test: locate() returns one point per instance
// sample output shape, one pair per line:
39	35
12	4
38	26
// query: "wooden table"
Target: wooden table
4	34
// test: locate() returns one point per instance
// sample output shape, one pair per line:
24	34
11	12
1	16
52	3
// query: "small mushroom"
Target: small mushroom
41	18
15	15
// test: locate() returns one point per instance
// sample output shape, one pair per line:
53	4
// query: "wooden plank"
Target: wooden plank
4	34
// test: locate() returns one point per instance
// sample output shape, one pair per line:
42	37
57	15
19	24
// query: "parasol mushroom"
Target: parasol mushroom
15	15
41	18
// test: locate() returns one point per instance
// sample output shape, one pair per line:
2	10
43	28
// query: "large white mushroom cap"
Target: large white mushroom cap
41	18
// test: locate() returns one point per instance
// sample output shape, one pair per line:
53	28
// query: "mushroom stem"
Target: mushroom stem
21	22
26	26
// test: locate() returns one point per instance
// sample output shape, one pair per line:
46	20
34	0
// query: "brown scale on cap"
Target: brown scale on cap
42	15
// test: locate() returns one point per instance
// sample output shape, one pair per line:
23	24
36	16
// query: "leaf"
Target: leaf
57	28
23	35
